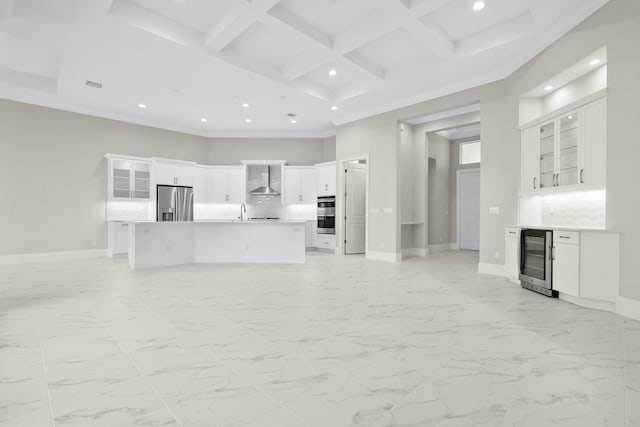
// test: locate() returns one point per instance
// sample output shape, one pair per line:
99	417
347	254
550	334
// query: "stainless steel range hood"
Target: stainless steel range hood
265	190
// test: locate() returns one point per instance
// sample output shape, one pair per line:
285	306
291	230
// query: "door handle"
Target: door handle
581	176
534	183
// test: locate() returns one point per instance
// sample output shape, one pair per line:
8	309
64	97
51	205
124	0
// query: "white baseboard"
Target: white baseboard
442	247
628	307
384	256
414	252
587	302
52	256
493	269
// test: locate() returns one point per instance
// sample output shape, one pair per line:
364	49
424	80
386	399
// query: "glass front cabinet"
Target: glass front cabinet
568	150
129	178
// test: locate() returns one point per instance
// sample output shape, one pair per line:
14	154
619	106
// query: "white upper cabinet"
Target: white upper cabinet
129	178
326	173
594	148
299	185
200	185
566	151
530	177
226	184
174	173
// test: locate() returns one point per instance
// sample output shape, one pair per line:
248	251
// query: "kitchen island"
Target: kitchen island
157	244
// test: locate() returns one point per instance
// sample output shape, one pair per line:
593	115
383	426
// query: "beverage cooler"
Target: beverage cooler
536	261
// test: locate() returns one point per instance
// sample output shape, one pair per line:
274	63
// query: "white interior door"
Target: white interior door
355	208
469	209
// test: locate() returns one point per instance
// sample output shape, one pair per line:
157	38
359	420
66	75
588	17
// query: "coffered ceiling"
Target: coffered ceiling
194	63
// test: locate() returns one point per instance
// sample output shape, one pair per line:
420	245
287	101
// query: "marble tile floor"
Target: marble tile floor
339	341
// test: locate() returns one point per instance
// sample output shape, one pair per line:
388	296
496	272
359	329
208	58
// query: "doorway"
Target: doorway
468	209
355	206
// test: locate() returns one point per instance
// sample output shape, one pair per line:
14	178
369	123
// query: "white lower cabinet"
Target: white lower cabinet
325	241
566	262
117	238
310	231
511	250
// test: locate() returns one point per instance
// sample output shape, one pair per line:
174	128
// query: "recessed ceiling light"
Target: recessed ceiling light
245	105
294	121
142	105
332	72
247	120
334	108
594	62
548	88
203	120
570	117
478	6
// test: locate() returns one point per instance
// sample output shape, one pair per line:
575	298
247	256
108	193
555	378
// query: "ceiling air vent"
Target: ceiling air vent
93	84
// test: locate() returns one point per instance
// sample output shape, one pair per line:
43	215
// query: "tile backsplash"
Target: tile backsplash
583	209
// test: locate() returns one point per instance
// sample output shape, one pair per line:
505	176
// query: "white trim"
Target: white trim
454	247
52	256
442	247
587	302
493	269
341	189
408	252
383	256
459	172
563	110
628	307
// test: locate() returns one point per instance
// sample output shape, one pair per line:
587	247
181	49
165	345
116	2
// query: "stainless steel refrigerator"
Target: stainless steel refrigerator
174	203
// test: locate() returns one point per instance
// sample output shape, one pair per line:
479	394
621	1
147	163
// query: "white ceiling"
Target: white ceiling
193	59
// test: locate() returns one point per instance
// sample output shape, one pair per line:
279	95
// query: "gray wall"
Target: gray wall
55	175
297	151
439	189
454	146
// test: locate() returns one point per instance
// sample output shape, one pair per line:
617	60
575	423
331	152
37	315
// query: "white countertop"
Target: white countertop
224	221
560	227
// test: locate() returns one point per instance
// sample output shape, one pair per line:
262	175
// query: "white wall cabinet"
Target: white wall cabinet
299	185
226	184
174	173
565	151
566	262
128	178
326	175
201	185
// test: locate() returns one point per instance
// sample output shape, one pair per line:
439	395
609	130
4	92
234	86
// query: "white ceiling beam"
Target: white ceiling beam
305	62
279	18
365	64
428	34
497	35
154	23
236	23
354	90
248	62
312	89
368	29
420	8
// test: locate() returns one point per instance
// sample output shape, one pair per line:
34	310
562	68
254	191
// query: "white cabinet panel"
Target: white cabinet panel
200	185
325	241
594	151
530	171
599	266
326	175
511	251
566	268
226	185
174	173
299	185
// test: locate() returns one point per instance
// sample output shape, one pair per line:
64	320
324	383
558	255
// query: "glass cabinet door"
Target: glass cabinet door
568	150
547	155
121	179
141	181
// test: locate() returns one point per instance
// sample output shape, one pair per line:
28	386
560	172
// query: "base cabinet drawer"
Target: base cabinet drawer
324	241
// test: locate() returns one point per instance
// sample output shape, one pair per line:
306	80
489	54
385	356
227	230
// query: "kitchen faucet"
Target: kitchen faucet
243	209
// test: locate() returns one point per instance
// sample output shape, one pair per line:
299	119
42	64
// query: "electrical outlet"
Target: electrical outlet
496	255
381	245
94	243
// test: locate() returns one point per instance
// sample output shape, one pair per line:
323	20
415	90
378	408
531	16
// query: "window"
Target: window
470	152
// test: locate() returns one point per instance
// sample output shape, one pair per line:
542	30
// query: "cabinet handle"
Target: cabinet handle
564	237
555	180
553	253
534	182
300	198
581	176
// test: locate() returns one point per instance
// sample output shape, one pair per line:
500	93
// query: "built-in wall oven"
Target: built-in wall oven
536	261
326	215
